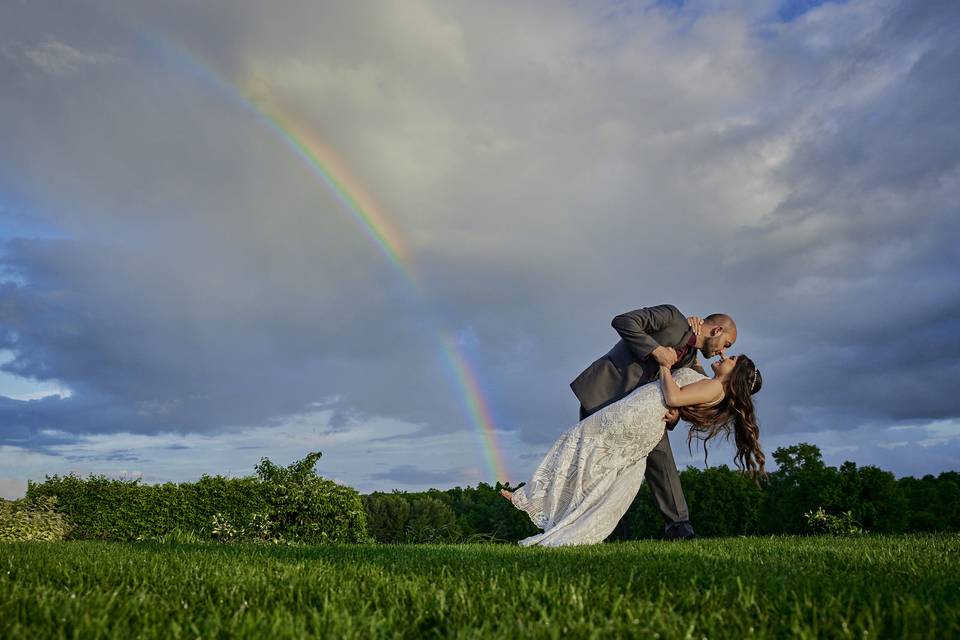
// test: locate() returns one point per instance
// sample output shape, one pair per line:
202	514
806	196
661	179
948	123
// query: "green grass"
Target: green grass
868	587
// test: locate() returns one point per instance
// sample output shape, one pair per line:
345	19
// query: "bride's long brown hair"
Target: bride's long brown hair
734	413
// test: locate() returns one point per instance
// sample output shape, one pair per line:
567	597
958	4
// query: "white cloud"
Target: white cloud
57	58
361	454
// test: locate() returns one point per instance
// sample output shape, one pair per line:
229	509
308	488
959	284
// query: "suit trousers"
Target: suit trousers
664	480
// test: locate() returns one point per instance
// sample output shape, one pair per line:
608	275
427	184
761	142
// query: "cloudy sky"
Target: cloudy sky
180	293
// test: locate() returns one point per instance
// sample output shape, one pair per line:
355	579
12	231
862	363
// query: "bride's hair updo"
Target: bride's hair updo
734	412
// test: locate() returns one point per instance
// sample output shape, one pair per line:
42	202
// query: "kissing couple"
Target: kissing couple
629	400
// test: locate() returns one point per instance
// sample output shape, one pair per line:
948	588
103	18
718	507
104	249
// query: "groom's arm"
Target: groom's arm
636	326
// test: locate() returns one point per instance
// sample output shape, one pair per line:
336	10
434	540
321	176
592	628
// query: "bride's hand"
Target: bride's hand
672	415
696	323
666	356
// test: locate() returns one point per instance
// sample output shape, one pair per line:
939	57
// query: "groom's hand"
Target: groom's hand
666	356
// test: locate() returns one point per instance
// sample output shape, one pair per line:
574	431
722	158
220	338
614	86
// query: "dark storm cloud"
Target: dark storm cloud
861	256
120	455
802	176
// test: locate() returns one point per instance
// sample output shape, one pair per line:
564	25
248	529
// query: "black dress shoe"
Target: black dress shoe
680	531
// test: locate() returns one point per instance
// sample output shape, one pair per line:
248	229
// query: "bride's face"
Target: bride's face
724	365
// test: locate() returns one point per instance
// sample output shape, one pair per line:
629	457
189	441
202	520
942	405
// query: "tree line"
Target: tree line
722	501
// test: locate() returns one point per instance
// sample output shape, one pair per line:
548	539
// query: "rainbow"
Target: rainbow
325	165
475	404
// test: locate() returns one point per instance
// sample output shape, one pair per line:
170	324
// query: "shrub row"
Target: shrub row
288	504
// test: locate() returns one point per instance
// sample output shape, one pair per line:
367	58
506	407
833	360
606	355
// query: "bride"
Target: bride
591	475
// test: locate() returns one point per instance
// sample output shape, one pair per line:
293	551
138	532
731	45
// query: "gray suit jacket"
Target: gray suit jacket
629	365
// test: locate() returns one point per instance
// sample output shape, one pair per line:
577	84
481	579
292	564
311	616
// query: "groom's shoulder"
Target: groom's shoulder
662	314
668	309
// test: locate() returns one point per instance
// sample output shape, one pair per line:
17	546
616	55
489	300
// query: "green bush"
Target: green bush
288	504
303	507
819	521
32	519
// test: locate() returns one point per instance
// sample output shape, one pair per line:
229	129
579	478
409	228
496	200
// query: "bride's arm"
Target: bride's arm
699	392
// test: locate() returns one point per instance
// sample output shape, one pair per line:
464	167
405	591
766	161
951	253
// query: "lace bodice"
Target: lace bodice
635	423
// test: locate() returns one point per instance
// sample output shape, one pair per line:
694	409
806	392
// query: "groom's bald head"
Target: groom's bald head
721	320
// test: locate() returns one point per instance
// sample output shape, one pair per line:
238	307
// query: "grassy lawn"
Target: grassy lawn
868	587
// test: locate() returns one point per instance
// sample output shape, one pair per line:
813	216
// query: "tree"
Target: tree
799	458
387	515
881	505
431	520
801	483
934	502
722	501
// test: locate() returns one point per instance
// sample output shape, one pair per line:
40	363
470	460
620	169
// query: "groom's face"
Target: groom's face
718	342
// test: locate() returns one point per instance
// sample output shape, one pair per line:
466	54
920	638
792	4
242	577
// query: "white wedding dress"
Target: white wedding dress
592	473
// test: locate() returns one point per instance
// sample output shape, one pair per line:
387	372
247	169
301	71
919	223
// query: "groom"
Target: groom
650	337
